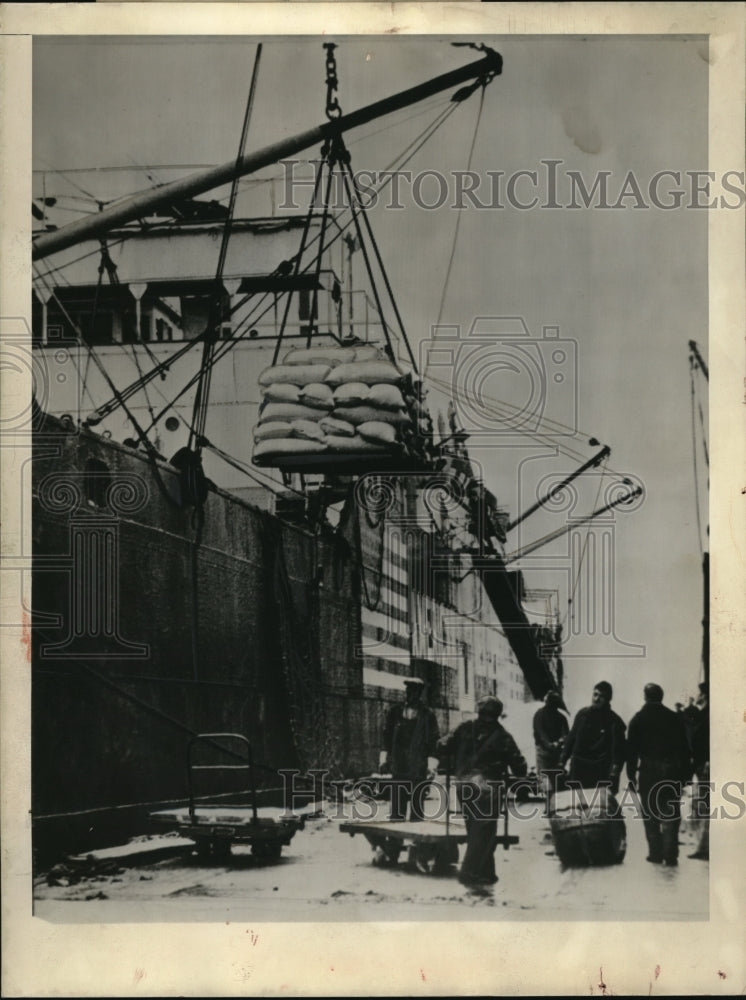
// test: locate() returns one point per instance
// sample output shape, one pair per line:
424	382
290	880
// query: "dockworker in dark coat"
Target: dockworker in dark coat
700	744
410	745
550	732
595	746
657	747
480	753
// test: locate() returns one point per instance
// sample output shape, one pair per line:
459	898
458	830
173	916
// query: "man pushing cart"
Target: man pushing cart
480	754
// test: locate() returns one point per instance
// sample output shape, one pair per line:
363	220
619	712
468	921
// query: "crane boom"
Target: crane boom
145	202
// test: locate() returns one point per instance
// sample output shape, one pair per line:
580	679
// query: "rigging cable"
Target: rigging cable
252	473
101	267
160	367
312	320
111	270
142	435
203	388
74	326
584	549
64	173
459	213
366	258
374	244
545	438
143	228
502	410
193	471
297	262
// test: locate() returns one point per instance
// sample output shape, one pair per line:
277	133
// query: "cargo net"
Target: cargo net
341	409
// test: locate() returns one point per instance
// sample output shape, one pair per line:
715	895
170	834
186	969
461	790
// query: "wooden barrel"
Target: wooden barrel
587	828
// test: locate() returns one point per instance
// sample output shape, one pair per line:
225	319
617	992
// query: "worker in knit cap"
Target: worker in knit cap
480	753
596	746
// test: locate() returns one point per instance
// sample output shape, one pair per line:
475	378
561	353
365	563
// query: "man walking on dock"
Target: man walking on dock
700	745
658	747
595	746
410	742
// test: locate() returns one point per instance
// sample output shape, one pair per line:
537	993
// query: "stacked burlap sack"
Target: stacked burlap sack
336	401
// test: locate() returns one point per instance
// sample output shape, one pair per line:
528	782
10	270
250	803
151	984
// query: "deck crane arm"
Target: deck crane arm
145	202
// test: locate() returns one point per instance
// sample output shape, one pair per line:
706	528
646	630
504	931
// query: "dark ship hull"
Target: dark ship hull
141	637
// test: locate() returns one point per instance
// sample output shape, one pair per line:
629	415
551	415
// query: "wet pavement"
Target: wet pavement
325	874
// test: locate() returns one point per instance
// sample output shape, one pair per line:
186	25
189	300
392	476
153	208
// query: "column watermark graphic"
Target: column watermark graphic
87	501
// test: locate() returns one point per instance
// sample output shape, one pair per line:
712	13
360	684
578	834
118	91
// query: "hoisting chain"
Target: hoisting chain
465	92
333	110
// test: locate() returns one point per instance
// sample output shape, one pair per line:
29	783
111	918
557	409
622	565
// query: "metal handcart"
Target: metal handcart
215	826
432	844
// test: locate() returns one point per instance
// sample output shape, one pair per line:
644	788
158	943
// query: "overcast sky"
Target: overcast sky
626	287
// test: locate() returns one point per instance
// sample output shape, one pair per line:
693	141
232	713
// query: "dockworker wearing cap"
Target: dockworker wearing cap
657	747
410	741
550	732
480	753
596	745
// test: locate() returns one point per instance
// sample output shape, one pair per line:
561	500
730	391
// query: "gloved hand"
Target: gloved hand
432	767
383	762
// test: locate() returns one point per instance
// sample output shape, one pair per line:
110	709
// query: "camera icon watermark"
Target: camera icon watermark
502	379
579	557
25	378
36	379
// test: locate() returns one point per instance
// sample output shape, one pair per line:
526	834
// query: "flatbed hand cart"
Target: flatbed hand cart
432	844
214	827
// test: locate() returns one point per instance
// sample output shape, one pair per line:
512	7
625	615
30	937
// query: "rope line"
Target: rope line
379	260
251	473
201	401
366	258
102	369
505	410
458	213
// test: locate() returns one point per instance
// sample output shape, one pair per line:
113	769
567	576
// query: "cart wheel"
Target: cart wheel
386	852
619	838
266	850
221	848
423	857
445	856
203	848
